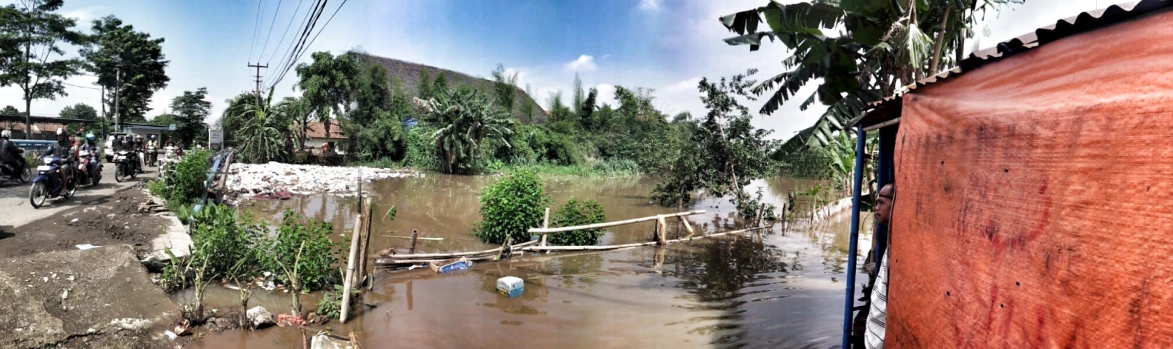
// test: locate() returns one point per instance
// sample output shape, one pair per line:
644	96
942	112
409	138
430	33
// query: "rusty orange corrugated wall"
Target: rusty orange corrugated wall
1034	202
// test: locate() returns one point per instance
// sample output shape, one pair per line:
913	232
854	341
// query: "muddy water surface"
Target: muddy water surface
781	288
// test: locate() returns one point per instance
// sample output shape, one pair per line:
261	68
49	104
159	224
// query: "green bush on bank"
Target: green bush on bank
511	207
573	213
187	182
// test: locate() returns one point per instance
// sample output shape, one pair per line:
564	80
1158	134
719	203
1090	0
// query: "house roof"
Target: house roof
889	108
315	130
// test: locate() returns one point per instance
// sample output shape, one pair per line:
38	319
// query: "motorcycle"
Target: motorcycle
125	165
23	175
153	157
47	184
90	170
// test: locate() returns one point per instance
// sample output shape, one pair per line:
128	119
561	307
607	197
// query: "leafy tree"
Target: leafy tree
579	95
79	111
466	119
424	90
288	112
441	84
129	63
166	119
883	45
375	126
328	85
586	111
190	111
10	110
724	153
527	108
233	117
504	85
30	41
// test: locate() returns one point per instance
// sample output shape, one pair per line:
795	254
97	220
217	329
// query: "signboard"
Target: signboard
171	127
215	137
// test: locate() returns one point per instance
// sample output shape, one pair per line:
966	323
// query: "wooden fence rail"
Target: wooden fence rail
543	231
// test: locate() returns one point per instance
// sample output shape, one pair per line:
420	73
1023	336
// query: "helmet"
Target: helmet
61	132
89	136
6	134
138	137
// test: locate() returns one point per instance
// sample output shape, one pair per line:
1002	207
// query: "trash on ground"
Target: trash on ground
510	286
451	265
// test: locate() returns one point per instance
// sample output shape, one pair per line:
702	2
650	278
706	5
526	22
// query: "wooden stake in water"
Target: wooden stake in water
545	224
414	236
346	283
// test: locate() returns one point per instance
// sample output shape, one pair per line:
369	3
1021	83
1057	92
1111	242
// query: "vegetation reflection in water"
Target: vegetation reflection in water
780	288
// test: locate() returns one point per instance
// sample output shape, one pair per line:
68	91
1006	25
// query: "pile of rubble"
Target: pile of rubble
274	177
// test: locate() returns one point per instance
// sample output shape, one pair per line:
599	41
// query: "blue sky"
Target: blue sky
664	45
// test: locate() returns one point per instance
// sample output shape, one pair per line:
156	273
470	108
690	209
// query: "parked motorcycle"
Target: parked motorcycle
48	185
89	168
126	165
16	175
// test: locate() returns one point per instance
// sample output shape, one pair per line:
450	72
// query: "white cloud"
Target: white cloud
583	63
650	5
83	15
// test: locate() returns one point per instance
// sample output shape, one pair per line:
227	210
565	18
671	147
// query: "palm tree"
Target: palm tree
466	119
884	45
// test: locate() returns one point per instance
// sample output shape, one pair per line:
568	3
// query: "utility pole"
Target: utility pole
118	84
258	78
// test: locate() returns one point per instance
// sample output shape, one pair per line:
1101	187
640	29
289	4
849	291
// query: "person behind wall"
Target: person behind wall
877	314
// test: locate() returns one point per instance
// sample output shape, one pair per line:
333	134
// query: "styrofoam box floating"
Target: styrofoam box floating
510	286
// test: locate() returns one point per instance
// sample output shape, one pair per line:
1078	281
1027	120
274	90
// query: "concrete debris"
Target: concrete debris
287	320
323	341
273	178
259	317
130	324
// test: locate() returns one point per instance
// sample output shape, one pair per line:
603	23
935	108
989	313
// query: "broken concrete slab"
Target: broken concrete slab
175	238
100	297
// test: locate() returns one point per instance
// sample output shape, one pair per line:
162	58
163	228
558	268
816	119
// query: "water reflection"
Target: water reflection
779	288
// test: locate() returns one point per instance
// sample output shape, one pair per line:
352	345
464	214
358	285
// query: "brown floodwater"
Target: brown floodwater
780	288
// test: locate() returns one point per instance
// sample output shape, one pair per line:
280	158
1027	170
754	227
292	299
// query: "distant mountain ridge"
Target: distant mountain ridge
408	74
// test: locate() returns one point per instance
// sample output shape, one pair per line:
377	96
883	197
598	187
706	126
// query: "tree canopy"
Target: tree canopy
328	85
190	110
129	63
31	50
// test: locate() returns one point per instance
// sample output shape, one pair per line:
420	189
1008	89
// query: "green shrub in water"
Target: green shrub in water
577	212
511	207
330	305
317	268
225	237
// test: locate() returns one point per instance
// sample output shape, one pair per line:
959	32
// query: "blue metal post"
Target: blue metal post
849	301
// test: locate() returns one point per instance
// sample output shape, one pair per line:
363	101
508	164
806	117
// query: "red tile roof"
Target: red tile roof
315	130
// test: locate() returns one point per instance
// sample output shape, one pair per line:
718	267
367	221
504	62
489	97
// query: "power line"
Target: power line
287	27
317	6
272	22
256	26
291	60
306	47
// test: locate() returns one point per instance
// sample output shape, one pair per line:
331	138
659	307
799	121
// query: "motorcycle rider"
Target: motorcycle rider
91	145
9	153
63	150
140	147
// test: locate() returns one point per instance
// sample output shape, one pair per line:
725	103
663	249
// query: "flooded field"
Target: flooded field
781	288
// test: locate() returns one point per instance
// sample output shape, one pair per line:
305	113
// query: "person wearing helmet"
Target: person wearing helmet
90	144
9	154
140	147
63	150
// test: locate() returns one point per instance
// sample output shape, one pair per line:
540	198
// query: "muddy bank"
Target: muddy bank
97	298
274	177
107	221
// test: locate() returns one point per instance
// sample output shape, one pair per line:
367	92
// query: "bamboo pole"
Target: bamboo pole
687	226
409	237
443	256
545	225
610	224
354	341
346	283
364	244
414	236
662	227
638	244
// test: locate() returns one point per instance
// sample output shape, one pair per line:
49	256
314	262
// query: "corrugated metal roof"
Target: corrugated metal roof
882	110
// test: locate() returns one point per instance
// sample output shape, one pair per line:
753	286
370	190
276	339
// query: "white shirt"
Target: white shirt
878	315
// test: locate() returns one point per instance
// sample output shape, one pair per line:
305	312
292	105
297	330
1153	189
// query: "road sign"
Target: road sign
215	136
171	127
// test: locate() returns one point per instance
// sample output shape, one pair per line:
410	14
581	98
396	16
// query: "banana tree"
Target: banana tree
466	119
261	136
881	44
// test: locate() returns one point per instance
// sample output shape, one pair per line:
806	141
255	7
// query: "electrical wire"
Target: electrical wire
306	47
256	26
272	23
302	45
283	35
296	43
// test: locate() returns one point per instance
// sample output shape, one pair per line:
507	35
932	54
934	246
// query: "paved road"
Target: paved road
15	209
